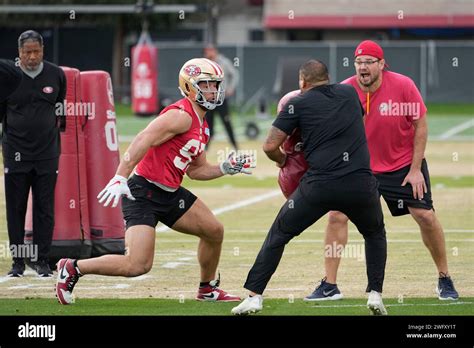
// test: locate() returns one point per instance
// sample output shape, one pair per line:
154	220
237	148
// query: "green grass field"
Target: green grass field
421	306
247	205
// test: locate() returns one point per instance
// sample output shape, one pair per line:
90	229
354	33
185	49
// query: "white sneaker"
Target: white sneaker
375	303
252	304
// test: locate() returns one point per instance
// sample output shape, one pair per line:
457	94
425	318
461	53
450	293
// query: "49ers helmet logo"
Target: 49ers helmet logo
192	70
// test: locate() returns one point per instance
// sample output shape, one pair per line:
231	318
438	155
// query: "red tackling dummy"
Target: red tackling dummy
295	165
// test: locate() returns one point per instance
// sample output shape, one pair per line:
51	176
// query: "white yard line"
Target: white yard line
457	129
102	287
4	279
237	205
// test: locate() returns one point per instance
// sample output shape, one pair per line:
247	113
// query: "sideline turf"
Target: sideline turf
167	307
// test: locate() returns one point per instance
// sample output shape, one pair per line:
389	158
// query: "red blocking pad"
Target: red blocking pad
295	166
144	78
102	160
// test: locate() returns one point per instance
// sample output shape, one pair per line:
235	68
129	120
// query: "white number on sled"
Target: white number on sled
111	136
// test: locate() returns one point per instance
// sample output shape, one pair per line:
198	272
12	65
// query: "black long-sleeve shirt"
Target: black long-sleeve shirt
10	78
30	120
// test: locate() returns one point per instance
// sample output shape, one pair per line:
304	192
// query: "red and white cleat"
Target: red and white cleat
212	293
68	275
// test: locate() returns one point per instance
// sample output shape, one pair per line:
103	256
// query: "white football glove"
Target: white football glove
238	164
116	188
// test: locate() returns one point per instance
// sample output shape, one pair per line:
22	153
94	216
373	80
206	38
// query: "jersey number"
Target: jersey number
189	150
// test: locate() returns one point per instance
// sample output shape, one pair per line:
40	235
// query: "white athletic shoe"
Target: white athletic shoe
375	303
252	304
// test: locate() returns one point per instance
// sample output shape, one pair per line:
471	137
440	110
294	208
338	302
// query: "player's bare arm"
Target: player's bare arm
200	169
160	130
415	176
271	146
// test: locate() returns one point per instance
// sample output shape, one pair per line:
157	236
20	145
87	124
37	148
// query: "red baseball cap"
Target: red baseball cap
369	48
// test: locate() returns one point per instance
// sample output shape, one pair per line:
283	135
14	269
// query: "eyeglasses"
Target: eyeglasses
366	62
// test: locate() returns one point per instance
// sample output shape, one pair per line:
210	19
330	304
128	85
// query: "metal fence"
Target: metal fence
443	71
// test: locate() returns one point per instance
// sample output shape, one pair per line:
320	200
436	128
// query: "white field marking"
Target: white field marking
120	286
456	303
457	129
27	286
5	279
235	206
312	241
30	274
163	228
174	264
194	291
248	230
102	287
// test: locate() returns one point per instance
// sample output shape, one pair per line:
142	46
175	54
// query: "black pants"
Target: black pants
40	176
354	195
223	112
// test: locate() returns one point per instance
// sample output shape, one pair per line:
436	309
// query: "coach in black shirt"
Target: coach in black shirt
330	118
31	149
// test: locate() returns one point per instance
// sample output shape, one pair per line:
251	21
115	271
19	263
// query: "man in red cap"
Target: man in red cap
397	133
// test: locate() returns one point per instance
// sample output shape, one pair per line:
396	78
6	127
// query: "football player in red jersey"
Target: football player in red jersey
159	156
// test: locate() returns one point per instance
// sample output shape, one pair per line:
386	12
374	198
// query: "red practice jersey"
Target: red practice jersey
167	163
389	120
